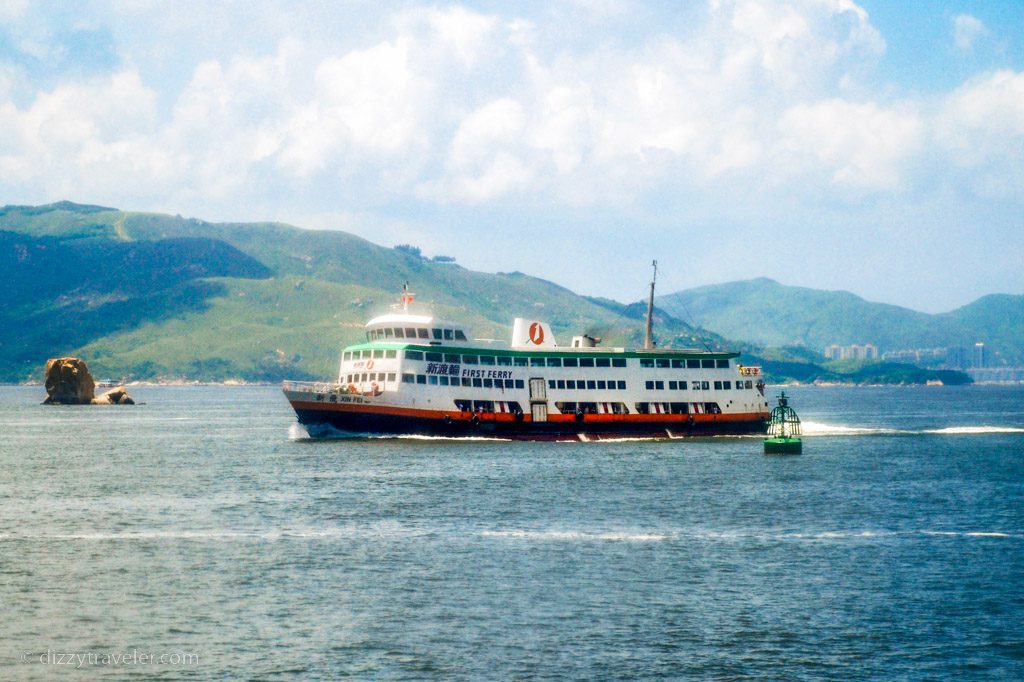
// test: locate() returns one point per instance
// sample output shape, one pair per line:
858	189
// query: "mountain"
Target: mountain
762	311
152	296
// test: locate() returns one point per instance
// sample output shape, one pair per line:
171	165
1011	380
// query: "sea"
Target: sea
201	535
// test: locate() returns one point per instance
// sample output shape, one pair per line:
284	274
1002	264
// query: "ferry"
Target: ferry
418	375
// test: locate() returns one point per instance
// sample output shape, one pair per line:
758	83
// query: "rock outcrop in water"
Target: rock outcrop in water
115	396
68	382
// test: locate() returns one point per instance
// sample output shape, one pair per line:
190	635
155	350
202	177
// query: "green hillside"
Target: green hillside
765	312
150	296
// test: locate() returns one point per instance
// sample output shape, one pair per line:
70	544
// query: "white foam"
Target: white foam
809	428
575	535
975	430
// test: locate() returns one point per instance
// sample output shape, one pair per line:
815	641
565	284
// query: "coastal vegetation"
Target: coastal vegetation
149	296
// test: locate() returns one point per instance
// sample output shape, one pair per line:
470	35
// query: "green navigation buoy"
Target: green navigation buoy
783	430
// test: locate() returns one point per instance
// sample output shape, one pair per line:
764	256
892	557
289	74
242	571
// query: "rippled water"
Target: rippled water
197	527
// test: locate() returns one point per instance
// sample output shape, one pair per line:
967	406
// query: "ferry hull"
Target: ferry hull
399	421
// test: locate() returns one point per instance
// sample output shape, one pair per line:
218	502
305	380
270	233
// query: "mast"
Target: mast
648	337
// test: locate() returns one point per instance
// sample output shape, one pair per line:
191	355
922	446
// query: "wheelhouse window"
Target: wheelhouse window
454	357
519	362
390	354
707	364
647	362
602	362
618	362
570	362
435	357
677	364
722	364
422	333
693	364
554	362
504	361
536	362
449	335
413	355
459	335
486	359
662	363
436	333
586	362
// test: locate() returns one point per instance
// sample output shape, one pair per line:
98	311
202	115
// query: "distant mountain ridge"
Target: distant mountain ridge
765	312
152	296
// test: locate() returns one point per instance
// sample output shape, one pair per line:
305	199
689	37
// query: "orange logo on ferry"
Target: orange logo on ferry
536	333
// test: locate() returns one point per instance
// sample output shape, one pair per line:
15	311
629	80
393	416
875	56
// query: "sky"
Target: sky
874	147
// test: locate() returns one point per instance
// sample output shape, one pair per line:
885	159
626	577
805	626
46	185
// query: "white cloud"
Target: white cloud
966	30
862	145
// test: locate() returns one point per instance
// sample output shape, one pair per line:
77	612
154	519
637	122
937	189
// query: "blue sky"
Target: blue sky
876	147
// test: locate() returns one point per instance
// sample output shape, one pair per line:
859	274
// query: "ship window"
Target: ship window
520	383
391	354
750	383
454	357
536	362
722	364
514	407
618	362
602	385
659	385
718	385
347	355
647	362
387	332
432	379
410	333
678	408
488	383
676	364
391	376
459	336
586	362
643	408
570	383
570	362
436	333
422	333
591	384
551	383
622	385
464	405
554	362
443	380
477	383
602	362
693	364
483	405
363	377
696	385
673	385
519	362
662	362
727	385
560	383
712	408
504	361
421	379
707	364
649	385
509	383
682	385
434	357
704	385
566	408
413	355
408	378
486	359
448	335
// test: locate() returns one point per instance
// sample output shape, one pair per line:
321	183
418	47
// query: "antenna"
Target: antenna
648	337
407	297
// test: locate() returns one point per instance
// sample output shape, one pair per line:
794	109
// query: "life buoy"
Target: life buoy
369	364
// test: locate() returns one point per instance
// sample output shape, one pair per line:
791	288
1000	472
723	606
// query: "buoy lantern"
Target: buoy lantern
783	430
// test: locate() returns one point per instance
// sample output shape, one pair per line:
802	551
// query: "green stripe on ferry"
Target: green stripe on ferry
558	351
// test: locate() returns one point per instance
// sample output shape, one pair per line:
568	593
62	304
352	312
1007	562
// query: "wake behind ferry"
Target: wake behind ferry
416	374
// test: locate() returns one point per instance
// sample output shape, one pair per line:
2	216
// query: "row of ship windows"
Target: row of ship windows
697	385
486	406
507	361
464	381
415	333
